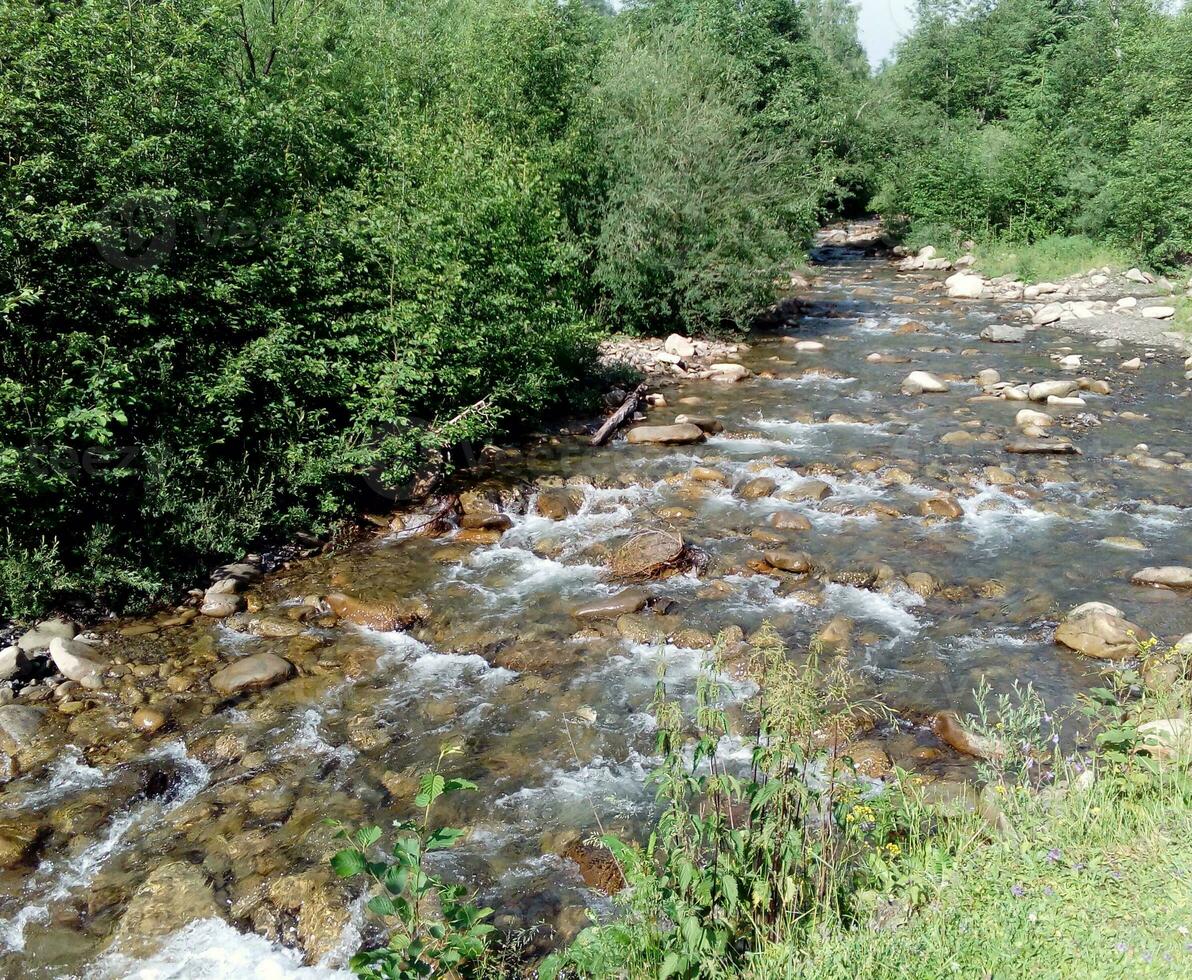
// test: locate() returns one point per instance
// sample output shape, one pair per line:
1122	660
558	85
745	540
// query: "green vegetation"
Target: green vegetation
1075	861
261	256
1021	120
434	932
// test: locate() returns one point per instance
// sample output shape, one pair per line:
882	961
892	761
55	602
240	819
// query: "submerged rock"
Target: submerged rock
610	607
254	673
383	615
1003	333
173	895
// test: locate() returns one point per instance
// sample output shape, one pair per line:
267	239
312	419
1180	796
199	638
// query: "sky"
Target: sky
881	23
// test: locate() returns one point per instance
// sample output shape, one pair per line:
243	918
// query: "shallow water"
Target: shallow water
556	722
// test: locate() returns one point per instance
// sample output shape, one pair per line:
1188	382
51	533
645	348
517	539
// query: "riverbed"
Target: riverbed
553	712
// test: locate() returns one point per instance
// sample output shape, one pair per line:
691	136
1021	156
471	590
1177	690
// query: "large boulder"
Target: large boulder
78	662
679	345
254	673
1164	577
665	435
1100	634
646	554
964	285
40	636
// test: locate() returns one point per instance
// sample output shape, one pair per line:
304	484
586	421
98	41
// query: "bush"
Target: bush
257	278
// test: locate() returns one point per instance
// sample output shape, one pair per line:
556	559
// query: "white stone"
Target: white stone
1047	314
1042	390
1158	312
1127	303
809	346
1069	402
1070	363
679	345
1134	364
964	285
1137	275
922	382
729	372
1028	416
77	662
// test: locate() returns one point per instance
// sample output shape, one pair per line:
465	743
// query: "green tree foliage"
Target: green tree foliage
1032	118
259	256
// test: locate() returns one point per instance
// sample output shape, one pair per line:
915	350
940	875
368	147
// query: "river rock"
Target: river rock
19	723
558	504
641	629
253	673
923	382
679	345
665	435
1003	333
646	554
789	561
1124	543
786	520
40	636
384	615
1164	577
1102	635
941	505
323	910
757	488
1028	416
221	604
1047	314
807	490
19	837
836	635
1166	739
922	584
1158	312
947	727
964	285
609	607
705	422
174	894
78	662
1090	607
728	372
1042	390
148	720
1038	446
12	662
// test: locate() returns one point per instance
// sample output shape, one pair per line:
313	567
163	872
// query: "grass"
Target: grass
1079	863
1098	885
1049	259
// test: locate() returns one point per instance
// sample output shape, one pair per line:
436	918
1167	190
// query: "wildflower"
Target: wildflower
1017	890
894	849
1053	855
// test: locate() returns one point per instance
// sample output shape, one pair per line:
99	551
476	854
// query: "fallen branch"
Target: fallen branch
617	419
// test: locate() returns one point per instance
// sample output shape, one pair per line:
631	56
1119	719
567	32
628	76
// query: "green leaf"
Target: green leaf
348	863
443	838
382	905
367	836
430	788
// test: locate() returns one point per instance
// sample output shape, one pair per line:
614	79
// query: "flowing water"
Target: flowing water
554	715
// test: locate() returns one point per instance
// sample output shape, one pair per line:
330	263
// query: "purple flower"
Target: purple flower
1017	890
1053	855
